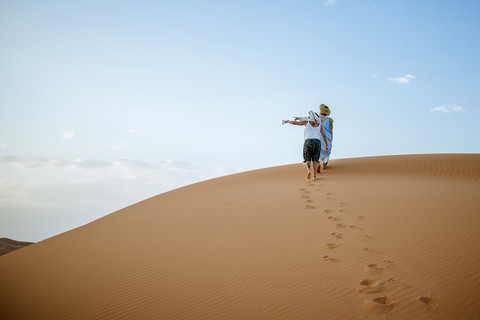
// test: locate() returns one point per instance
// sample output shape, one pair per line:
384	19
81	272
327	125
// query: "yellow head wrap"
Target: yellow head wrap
324	110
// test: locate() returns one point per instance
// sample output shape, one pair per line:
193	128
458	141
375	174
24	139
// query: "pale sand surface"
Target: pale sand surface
266	244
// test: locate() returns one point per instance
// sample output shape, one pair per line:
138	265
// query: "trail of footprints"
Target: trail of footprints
371	284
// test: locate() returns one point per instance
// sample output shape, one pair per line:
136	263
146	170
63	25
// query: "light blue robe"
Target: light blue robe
328	133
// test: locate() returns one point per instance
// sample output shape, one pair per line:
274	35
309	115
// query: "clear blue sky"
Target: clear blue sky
106	103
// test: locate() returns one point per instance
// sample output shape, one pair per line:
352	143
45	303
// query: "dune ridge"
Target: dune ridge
377	237
450	166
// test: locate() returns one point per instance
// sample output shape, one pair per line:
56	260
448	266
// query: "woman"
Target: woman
312	145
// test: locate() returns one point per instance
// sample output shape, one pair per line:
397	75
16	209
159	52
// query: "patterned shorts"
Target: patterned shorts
311	150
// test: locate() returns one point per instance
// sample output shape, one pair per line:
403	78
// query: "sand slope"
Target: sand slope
393	237
8	245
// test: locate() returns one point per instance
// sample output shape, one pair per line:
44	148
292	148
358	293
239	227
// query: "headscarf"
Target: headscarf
324	110
313	116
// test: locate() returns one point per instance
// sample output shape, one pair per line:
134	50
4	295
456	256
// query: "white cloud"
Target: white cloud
130	163
330	3
458	108
127	168
8	159
440	109
38	163
404	79
53	163
131	131
68	134
448	109
23	163
90	164
3	145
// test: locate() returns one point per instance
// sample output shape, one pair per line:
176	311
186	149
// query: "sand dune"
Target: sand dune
8	245
383	237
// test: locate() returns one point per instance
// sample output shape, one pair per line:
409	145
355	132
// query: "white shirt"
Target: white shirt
311	132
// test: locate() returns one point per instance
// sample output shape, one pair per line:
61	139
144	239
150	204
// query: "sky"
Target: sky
107	103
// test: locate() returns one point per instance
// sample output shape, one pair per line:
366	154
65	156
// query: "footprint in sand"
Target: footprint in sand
331	245
336	235
390	264
340	225
366	237
370	286
327	211
301	189
361	217
373	268
431	303
368	250
381	305
342	204
308	206
333	218
329	258
308	200
303	196
329	193
341	210
395	282
352	226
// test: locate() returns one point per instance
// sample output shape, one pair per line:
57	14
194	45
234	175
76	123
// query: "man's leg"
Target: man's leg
315	169
309	173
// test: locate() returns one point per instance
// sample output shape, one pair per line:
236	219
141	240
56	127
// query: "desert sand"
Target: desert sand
393	237
8	245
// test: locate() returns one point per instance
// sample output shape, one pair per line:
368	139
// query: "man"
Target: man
312	146
327	125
